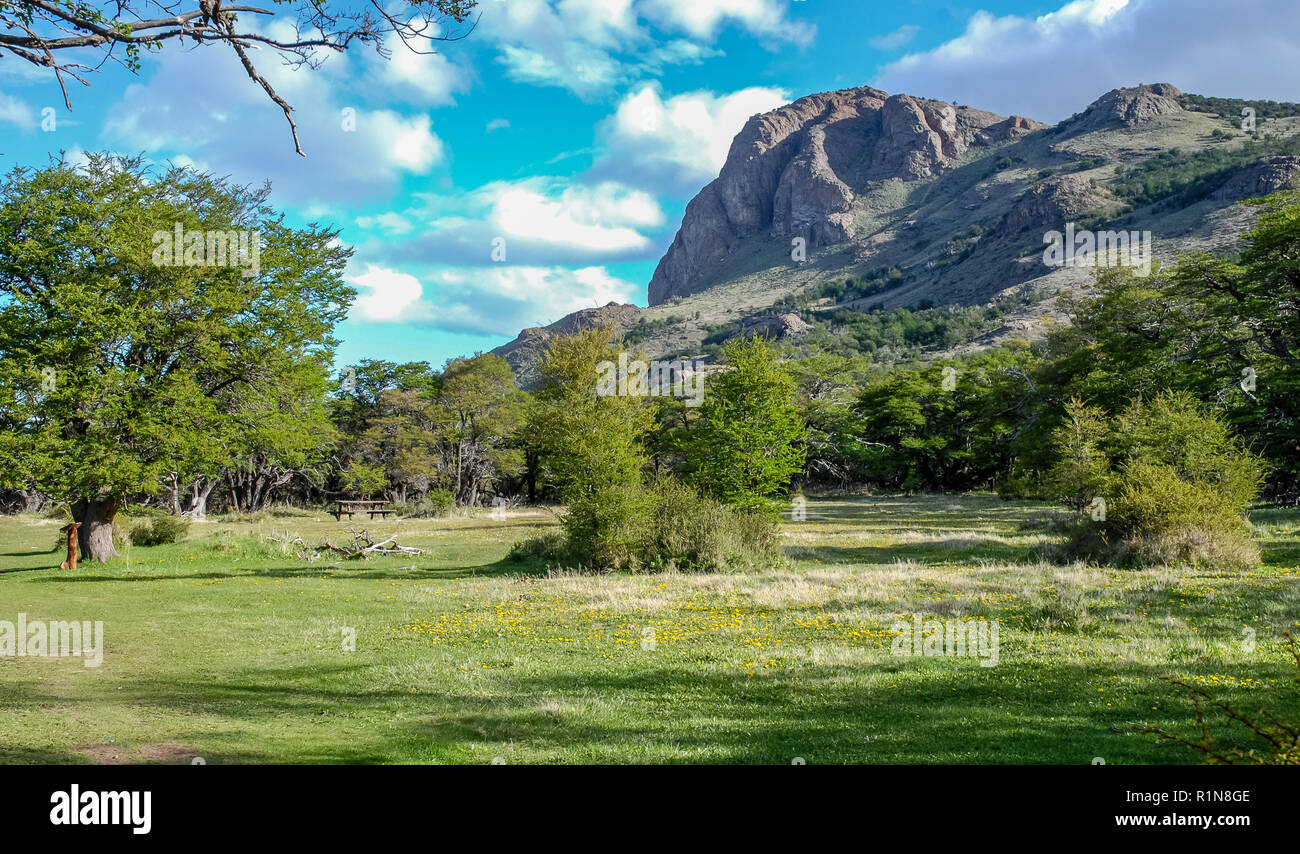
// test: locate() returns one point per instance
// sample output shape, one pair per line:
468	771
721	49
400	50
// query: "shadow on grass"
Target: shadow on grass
1281	553
503	567
959	549
924	711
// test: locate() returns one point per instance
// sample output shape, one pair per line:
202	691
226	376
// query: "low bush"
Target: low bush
1165	483
696	533
435	503
680	530
549	547
160	530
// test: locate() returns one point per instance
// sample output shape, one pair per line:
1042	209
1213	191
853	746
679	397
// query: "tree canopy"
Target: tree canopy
117	371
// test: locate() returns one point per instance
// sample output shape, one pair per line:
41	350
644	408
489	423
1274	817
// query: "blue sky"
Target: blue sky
572	133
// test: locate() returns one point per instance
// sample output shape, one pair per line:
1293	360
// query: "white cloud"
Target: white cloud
498	124
896	39
591	46
678	143
570	43
417	74
1054	65
502	300
201	106
386	295
703	18
16	112
543	221
390	223
604	218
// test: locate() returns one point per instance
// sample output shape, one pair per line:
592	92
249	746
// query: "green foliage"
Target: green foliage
365	479
1082	470
691	532
591	448
647	328
1226	330
950	425
160	530
433	504
1230	108
116	372
408	429
1179	178
748	443
1176	484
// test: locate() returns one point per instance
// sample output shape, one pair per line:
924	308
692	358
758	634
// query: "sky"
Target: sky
542	164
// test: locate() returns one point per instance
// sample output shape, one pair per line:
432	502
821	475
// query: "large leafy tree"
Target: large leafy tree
592	449
1251	345
117	371
1226	329
749	442
479	410
951	425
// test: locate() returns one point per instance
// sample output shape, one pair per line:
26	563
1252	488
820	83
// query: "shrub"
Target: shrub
1175	481
607	527
591	448
160	530
696	533
1161	518
551	546
435	503
1082	470
749	440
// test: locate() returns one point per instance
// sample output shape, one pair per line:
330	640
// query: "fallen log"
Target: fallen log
362	546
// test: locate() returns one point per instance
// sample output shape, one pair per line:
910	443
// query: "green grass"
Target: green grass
225	647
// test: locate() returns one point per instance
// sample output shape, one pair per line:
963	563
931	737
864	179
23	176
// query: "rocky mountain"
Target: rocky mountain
885	201
798	171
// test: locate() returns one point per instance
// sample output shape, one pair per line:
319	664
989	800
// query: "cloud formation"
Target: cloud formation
676	144
536	221
201	106
1051	66
591	46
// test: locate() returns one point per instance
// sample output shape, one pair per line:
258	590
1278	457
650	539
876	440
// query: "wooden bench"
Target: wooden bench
374	508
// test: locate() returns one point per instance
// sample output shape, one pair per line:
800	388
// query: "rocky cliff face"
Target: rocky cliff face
797	171
905	202
1262	178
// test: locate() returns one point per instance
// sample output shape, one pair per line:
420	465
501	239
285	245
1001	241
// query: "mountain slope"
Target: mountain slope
916	202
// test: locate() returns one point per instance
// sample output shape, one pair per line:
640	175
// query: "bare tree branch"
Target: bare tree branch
47	33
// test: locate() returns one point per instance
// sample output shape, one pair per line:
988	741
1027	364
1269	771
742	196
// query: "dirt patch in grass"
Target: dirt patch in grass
163	753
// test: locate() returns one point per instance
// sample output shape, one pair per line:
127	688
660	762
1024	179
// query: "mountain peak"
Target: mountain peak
797	170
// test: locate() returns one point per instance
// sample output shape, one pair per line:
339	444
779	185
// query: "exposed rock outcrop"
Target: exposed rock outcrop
1126	108
780	326
1260	179
524	352
915	202
796	172
1052	203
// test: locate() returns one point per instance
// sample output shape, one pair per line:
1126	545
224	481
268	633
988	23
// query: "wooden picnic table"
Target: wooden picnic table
374	508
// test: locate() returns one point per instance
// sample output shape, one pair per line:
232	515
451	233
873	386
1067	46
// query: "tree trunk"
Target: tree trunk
96	532
198	501
32	500
173	486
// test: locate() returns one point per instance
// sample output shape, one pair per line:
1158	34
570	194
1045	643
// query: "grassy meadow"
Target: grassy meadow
228	647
